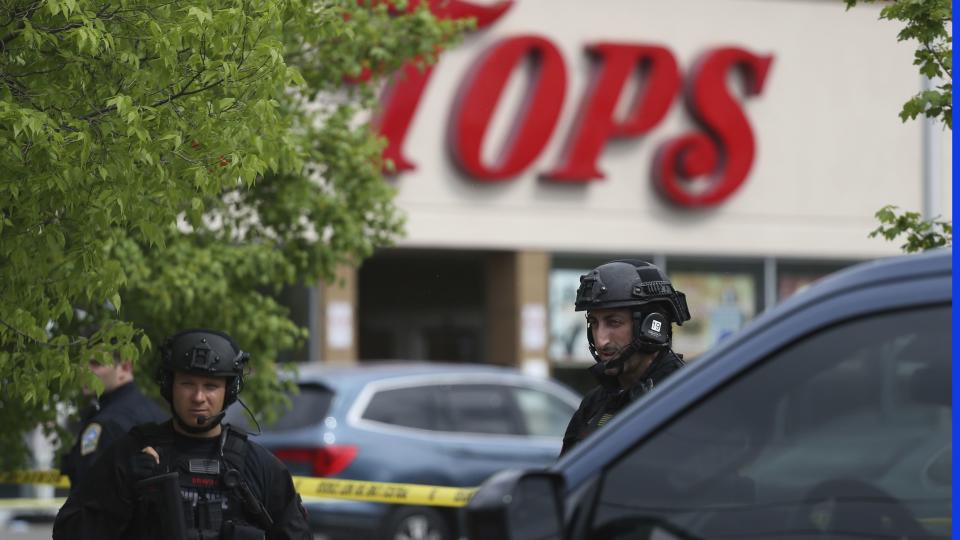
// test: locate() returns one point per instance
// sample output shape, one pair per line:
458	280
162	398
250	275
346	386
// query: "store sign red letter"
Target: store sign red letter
480	93
595	123
704	168
402	96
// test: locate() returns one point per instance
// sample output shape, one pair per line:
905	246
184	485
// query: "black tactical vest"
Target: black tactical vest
605	401
213	503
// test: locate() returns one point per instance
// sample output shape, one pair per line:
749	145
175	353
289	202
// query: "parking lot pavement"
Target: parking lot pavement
23	530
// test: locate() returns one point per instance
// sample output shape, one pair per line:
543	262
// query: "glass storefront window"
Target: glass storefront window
723	294
793	276
720	304
568	328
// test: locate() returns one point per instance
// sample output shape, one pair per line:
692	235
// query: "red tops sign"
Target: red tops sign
696	169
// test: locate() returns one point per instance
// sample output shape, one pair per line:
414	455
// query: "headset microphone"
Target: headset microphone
201	420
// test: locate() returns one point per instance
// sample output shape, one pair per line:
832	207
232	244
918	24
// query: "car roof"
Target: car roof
389	369
872	273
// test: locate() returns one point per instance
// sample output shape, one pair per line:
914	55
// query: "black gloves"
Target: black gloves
143	465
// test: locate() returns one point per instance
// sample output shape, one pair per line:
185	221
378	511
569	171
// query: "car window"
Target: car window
310	406
845	434
483	408
545	415
413	407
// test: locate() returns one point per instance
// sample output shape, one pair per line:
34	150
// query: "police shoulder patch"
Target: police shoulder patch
89	438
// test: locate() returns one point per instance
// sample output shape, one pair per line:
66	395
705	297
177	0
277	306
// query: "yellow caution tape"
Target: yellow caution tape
311	488
31	504
35	477
386	492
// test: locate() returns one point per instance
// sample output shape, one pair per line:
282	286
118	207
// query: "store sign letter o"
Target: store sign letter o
481	92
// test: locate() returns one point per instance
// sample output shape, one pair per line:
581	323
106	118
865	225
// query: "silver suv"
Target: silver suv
417	423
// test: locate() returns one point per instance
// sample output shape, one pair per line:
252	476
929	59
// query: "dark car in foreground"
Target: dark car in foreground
414	423
827	417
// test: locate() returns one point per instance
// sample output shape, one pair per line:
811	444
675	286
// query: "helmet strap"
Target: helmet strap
593	347
656	361
621	359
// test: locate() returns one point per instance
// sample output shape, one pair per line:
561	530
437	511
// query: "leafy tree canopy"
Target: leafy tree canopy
919	234
165	165
928	22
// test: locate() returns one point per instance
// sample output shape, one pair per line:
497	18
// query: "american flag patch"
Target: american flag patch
204	466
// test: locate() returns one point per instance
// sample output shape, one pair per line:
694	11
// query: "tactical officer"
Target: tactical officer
190	478
630	307
120	407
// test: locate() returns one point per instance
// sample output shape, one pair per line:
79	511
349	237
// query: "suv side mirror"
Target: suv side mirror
517	505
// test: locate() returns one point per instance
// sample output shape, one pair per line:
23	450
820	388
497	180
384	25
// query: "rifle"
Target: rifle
159	498
233	480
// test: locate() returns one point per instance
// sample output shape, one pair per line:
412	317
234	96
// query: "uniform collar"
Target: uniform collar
117	393
611	384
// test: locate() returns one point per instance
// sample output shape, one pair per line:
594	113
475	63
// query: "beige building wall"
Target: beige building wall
337	321
517	326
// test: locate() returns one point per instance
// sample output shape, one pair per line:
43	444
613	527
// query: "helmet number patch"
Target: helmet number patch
655	325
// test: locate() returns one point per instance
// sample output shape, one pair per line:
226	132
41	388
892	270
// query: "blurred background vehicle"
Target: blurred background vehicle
416	423
829	417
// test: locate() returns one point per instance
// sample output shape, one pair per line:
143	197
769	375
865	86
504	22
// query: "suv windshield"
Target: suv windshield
843	433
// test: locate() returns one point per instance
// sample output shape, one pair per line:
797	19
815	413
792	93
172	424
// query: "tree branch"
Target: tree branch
35	340
63	28
935	54
180	94
184	92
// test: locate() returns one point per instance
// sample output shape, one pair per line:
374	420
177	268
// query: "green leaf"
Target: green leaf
202	14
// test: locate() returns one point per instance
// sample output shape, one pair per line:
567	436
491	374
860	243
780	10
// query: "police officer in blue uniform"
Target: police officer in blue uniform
190	478
631	306
120	407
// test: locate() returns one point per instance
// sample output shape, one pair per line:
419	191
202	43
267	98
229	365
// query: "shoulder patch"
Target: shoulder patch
89	438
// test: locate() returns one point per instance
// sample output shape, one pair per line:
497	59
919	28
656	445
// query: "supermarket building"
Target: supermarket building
743	145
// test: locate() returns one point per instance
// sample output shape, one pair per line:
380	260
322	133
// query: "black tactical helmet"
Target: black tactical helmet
630	283
202	352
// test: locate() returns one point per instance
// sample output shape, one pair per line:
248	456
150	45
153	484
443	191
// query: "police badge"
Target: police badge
89	438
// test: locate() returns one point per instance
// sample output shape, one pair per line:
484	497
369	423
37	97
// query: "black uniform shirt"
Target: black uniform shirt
119	410
607	399
105	507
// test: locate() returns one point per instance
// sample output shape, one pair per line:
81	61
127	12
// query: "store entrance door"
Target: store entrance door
422	305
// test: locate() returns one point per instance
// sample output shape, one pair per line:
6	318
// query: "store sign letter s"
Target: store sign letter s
704	168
